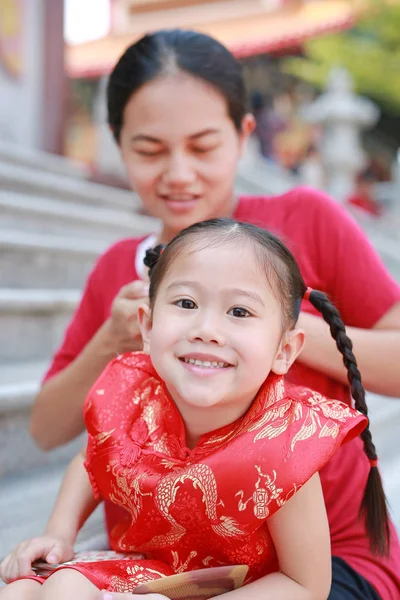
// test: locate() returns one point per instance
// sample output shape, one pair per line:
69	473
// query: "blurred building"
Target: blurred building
32	77
249	28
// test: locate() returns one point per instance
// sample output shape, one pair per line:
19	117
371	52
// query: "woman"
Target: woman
176	106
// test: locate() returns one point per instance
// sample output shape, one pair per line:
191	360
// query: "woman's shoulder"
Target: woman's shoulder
299	201
121	250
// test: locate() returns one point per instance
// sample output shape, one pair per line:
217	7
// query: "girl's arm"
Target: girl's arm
374	349
75	502
300	533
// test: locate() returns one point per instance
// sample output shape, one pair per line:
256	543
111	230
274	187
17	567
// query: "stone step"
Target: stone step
76	190
43	260
29	157
384	415
19	455
40	214
25	506
33	321
19	384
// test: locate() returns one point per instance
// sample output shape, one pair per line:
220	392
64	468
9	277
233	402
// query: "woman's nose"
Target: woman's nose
179	171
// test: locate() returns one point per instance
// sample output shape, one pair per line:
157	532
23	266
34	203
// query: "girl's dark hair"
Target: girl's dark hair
287	282
170	51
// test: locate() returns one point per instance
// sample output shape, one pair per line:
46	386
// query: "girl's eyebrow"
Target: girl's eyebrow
141	137
234	291
180	283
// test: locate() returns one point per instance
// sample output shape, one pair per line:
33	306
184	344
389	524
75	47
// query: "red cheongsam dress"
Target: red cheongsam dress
206	507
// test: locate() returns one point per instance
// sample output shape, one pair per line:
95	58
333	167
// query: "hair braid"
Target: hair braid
374	506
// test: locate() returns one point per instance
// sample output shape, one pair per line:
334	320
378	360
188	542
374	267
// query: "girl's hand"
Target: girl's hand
122	326
52	549
115	596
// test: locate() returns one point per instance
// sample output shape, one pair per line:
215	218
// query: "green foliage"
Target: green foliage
370	51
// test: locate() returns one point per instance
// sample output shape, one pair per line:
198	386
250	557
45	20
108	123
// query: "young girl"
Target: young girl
211	453
176	106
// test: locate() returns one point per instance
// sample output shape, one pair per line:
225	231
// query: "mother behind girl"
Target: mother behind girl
177	110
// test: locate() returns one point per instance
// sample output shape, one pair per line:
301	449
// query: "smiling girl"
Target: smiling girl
214	456
176	107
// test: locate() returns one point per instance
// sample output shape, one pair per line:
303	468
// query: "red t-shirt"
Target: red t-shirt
335	257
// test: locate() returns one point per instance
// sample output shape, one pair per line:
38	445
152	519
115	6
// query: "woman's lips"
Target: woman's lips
180	204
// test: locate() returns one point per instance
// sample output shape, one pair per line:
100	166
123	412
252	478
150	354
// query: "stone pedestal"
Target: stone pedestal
342	115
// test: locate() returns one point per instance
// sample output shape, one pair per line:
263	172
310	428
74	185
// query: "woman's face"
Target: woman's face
181	150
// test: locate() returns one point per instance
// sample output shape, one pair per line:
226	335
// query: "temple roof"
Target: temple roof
245	31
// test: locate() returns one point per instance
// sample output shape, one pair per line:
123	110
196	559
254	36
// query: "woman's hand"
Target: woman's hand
122	326
52	549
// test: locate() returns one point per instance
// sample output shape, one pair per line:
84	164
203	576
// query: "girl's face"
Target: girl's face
216	332
181	150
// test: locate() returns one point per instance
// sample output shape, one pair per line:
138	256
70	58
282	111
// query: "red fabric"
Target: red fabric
115	575
194	508
367	203
334	256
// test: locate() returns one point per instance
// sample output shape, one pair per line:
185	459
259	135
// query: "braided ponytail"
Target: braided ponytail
374	507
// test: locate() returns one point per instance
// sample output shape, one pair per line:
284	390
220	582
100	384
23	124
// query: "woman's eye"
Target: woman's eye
239	312
203	150
185	303
148	152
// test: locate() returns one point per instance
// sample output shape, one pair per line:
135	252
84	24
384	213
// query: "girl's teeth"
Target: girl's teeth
206	363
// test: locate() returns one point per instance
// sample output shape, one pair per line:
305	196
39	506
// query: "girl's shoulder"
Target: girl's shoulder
119	390
300	427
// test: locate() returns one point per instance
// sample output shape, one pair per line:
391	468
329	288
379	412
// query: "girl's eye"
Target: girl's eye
239	312
185	303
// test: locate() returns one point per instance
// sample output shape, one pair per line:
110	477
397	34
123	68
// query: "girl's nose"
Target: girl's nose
207	329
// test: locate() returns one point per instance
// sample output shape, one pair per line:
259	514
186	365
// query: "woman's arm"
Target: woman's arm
57	415
57	410
375	350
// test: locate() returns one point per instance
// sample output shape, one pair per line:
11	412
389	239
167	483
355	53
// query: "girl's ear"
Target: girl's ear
144	320
290	347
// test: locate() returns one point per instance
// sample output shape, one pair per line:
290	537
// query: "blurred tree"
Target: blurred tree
370	51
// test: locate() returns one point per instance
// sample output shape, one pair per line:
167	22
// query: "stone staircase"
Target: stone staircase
53	224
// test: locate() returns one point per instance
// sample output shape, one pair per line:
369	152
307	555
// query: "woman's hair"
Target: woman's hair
284	276
170	51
